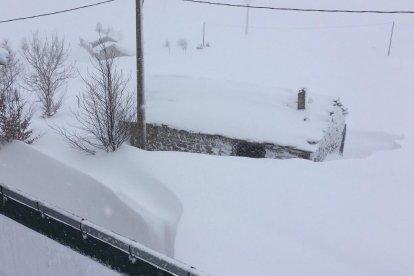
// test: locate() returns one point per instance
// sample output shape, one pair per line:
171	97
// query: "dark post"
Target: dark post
341	150
140	138
302	99
392	34
204	34
247	20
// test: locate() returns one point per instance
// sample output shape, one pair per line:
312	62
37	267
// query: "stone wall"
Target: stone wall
165	138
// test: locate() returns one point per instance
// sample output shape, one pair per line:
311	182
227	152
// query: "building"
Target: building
105	47
236	119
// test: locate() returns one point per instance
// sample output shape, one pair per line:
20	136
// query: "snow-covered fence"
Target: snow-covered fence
117	252
333	140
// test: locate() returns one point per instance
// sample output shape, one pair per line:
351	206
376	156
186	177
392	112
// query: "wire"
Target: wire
307	28
298	9
406	25
56	12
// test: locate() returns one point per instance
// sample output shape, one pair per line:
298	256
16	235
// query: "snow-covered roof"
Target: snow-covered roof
112	51
105	47
102	41
238	110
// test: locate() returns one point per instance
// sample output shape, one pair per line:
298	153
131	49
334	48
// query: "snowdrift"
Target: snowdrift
27	169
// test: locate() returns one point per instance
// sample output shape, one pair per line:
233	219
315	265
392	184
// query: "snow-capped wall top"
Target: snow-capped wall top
238	110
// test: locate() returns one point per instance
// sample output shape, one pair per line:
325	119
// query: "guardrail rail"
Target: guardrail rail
113	250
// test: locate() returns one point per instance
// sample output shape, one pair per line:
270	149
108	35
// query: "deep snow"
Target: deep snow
24	252
43	177
348	216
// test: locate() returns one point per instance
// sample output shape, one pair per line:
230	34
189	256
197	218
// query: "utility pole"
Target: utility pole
247	19
204	34
140	139
392	34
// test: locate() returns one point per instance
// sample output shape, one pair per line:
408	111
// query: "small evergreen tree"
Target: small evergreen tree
14	120
15	116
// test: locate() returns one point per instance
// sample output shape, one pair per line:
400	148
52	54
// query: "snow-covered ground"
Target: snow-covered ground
24	252
239	216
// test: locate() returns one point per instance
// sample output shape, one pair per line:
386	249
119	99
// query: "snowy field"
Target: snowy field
239	216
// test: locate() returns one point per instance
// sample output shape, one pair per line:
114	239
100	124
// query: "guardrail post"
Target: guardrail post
42	215
84	234
2	200
131	256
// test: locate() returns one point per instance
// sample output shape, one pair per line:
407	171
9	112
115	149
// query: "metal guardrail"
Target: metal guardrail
113	250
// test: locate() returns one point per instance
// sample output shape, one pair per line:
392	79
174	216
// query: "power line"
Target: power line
406	25
308	28
297	9
56	12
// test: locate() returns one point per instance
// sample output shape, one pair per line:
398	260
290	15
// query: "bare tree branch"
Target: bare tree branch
105	109
49	70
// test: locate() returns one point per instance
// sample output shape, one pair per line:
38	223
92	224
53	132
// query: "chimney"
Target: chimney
302	99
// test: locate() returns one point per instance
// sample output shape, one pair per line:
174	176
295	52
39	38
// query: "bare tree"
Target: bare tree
15	115
103	32
167	45
183	44
11	69
106	109
49	70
